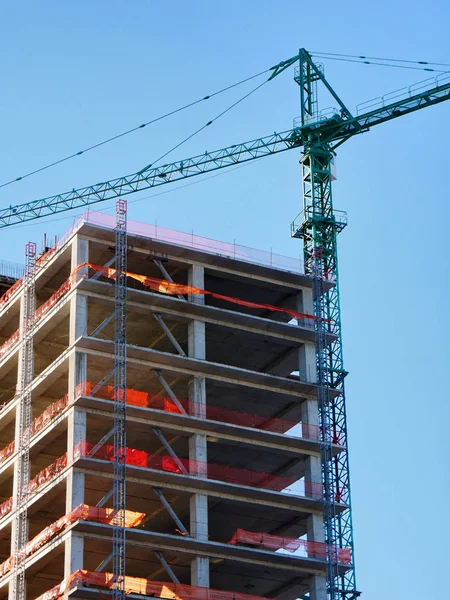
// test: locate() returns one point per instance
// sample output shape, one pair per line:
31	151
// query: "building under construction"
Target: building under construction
174	419
191	468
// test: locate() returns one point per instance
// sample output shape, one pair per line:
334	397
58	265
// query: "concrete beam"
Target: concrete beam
190	424
142	300
213	262
216	550
149	358
214	488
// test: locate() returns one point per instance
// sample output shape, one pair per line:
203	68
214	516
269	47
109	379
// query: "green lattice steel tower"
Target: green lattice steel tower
318	226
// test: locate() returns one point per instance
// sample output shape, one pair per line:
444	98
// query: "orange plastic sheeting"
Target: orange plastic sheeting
139	458
80	513
7	452
168	287
278	542
145	587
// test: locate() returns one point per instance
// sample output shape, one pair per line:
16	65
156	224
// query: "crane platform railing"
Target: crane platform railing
403	93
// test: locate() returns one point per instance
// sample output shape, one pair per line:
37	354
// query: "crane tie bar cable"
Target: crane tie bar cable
136	128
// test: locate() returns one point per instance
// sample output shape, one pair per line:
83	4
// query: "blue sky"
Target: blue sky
76	73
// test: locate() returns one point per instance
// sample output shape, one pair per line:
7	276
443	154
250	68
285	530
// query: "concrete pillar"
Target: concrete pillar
197	443
76	421
313	473
318	587
307	353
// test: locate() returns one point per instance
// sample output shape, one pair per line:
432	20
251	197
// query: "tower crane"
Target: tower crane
318	134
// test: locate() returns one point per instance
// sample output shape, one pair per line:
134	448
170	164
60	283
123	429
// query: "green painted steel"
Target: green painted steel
318	226
334	130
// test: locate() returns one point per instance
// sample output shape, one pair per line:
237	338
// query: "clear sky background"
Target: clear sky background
74	73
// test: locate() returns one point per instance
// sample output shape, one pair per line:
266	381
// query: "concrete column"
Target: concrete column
314	524
197	443
76	420
78	319
307	353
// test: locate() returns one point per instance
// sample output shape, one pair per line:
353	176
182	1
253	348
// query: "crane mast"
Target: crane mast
318	226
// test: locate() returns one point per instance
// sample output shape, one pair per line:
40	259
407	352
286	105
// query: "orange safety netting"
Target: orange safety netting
54	298
41	311
10	343
195	409
39	423
39	262
278	542
158	402
83	512
49	413
144	587
44	476
139	458
7	295
7	452
159	285
5	507
171	288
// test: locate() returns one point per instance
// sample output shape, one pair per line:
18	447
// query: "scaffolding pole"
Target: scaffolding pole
24	422
120	386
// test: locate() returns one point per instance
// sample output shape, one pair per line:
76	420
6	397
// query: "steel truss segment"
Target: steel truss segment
120	387
152	177
25	418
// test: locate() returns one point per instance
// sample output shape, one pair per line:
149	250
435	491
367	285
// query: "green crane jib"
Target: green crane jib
319	134
333	131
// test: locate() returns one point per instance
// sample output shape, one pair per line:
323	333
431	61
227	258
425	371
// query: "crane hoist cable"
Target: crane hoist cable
360	60
136	128
397	60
